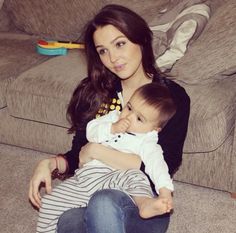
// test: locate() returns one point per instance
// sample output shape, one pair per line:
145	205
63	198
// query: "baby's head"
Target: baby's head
149	108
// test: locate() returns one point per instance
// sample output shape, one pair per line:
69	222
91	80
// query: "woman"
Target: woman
120	59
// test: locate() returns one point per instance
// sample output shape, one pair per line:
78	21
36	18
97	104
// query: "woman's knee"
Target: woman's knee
108	198
105	211
72	221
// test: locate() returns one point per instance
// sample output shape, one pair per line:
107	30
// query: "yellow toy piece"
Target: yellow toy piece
60	44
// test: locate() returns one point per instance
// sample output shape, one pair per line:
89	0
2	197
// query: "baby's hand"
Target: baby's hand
120	126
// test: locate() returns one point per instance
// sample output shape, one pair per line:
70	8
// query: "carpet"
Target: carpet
197	209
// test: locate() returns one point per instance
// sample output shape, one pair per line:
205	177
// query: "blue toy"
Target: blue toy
51	51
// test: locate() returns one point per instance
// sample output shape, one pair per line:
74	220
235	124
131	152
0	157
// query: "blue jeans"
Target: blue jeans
110	211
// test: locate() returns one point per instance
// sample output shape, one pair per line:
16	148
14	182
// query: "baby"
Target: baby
135	130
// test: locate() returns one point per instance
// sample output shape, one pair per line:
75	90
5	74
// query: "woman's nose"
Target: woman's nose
113	56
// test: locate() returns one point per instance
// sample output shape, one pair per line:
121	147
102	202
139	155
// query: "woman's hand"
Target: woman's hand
42	174
109	156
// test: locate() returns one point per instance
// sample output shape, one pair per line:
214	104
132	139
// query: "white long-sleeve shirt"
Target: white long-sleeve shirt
142	144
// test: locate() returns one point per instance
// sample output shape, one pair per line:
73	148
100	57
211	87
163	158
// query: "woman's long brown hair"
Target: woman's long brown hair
98	87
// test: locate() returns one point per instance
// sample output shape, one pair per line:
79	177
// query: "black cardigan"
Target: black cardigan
171	137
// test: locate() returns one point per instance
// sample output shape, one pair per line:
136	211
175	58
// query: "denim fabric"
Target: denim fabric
110	211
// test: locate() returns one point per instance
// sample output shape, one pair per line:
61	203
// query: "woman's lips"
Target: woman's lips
119	68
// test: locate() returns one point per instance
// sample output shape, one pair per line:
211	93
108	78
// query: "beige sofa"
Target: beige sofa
35	89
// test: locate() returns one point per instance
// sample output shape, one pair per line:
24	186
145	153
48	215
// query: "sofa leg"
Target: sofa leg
233	195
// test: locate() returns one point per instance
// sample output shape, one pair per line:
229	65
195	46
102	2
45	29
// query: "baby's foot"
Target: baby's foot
153	206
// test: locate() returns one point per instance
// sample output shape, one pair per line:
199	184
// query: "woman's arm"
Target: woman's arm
42	174
173	135
43	171
72	156
111	157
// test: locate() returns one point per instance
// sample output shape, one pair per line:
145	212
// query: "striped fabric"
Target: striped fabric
76	191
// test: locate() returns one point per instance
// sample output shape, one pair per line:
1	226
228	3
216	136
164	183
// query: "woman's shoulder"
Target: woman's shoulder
177	91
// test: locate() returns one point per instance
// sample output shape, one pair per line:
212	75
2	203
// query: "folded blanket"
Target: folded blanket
179	26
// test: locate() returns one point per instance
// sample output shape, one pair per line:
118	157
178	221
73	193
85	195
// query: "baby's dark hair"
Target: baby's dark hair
158	97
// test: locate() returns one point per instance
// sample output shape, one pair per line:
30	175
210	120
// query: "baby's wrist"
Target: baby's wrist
165	192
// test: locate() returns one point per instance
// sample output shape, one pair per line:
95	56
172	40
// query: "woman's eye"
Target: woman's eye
101	51
120	44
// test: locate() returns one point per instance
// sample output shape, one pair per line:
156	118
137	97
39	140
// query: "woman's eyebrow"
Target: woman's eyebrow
98	46
112	42
118	37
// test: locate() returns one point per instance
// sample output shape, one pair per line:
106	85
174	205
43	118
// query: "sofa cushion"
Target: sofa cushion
49	19
216	49
34	135
5	22
148	11
212	115
17	54
1	3
43	92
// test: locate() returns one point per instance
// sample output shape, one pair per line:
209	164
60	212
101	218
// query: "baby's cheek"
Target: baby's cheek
132	127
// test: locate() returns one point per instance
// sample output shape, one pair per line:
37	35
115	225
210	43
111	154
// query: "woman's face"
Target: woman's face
118	53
